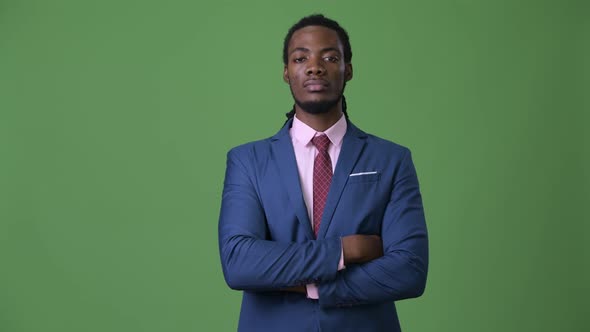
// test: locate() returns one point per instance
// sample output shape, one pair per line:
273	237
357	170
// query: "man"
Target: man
321	225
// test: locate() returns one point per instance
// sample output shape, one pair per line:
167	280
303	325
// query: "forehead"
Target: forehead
315	36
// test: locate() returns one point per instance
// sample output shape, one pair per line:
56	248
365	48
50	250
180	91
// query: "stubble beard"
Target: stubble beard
318	107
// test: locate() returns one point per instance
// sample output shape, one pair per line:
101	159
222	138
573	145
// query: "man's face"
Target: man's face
316	71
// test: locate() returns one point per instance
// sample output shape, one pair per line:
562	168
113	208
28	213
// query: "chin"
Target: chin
321	106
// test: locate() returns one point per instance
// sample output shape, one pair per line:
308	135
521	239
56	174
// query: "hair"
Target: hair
321	20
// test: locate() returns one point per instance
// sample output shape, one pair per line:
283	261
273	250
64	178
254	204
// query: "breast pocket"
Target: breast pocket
364	177
361	205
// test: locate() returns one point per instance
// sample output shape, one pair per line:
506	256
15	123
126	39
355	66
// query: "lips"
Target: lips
314	85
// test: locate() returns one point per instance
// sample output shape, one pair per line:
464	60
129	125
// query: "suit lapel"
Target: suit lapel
284	157
352	146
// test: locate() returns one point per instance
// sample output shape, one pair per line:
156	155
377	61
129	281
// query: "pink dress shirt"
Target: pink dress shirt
305	152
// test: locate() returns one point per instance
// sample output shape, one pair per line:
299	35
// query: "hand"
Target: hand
361	248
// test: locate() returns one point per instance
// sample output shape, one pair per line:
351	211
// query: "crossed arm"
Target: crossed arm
387	268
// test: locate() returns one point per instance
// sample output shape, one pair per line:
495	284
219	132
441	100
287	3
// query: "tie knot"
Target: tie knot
321	142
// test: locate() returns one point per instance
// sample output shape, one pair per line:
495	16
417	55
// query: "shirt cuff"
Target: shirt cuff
341	265
312	291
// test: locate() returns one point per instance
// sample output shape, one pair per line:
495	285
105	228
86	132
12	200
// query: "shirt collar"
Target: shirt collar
304	133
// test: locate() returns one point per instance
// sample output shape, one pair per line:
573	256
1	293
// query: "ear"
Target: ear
285	75
348	72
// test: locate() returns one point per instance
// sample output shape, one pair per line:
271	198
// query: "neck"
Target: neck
320	122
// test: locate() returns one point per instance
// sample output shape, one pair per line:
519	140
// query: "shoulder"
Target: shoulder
250	149
386	145
393	158
378	144
259	149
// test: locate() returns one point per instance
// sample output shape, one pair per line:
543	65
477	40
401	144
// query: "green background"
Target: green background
115	118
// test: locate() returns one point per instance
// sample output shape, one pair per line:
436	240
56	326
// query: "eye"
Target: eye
332	59
299	60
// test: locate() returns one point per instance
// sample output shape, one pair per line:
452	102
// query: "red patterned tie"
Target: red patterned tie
322	177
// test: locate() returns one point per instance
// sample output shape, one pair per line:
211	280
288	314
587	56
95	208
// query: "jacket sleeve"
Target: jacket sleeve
250	259
401	272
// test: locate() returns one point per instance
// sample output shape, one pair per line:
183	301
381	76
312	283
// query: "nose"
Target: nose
315	68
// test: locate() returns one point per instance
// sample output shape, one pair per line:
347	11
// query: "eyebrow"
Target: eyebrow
323	50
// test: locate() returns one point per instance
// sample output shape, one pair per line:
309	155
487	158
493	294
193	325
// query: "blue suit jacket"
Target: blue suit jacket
266	241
